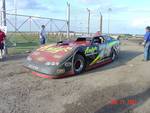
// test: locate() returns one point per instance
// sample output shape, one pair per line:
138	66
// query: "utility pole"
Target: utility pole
1	17
51	25
109	11
30	23
101	22
15	7
3	13
89	17
68	20
4	20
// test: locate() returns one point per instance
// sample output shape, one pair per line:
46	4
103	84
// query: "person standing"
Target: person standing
147	44
2	40
43	35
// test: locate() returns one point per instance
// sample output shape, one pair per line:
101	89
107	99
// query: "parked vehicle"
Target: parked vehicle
73	57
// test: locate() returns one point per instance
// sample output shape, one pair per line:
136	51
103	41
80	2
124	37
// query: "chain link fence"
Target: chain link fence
23	32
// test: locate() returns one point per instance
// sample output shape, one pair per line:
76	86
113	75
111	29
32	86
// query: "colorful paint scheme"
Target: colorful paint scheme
73	57
90	50
53	49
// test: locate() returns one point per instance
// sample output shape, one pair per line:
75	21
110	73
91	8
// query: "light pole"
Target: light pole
101	22
4	20
80	26
3	12
89	16
109	11
15	7
68	20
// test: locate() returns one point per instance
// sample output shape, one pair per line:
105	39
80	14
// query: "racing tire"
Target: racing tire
113	55
78	64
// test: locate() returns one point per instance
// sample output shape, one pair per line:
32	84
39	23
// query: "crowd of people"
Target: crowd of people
43	38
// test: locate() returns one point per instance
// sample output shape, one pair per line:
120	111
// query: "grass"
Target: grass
20	43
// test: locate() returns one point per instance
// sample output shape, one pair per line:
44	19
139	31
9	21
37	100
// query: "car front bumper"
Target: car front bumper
41	69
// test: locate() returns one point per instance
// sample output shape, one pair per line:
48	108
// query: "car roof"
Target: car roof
87	37
91	37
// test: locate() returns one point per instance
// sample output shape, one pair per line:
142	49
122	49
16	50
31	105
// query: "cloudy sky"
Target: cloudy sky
127	16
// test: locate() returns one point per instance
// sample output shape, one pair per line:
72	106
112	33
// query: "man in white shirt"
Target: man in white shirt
43	35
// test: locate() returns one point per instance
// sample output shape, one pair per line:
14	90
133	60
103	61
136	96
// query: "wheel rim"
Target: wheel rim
78	65
113	56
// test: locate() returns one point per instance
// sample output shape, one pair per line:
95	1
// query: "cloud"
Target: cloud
93	1
141	10
32	4
140	22
103	6
26	4
89	1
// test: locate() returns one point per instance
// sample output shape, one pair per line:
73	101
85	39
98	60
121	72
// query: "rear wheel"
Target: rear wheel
78	64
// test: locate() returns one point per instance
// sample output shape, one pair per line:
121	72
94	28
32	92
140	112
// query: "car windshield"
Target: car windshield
83	39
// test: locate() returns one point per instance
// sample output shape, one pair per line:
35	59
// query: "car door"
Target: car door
107	47
100	42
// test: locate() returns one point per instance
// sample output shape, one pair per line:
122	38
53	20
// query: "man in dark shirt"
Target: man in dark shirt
2	39
147	44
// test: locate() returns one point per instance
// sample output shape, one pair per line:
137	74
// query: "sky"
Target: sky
127	16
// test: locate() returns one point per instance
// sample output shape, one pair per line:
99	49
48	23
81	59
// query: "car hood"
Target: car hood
51	53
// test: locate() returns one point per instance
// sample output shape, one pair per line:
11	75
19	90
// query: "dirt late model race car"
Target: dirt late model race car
72	57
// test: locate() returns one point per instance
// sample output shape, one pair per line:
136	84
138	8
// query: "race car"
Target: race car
72	57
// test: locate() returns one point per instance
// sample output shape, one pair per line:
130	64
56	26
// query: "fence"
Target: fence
79	20
23	32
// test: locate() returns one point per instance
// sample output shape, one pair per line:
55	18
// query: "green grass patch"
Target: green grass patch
19	43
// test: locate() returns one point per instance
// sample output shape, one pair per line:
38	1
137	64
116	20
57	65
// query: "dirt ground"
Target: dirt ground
126	79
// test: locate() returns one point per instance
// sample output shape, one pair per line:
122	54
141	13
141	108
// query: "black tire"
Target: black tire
113	55
78	64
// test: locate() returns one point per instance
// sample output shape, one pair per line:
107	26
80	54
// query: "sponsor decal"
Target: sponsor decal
41	59
60	71
54	49
57	56
91	50
68	64
52	63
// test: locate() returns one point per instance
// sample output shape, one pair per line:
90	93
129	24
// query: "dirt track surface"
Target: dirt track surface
92	92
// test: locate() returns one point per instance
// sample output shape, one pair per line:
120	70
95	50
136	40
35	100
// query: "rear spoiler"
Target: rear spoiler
63	43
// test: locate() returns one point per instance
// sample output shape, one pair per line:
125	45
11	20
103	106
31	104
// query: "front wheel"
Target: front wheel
113	55
78	64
